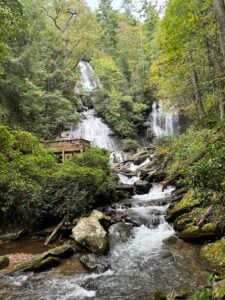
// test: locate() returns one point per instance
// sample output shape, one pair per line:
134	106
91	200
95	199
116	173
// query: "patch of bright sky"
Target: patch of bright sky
117	3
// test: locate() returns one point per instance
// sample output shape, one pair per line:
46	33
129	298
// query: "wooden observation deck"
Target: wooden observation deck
67	147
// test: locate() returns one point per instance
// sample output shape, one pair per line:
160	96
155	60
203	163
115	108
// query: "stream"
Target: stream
144	255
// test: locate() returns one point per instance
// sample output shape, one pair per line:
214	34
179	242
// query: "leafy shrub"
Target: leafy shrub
37	191
130	145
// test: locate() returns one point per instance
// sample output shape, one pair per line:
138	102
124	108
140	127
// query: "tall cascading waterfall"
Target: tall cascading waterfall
91	127
163	123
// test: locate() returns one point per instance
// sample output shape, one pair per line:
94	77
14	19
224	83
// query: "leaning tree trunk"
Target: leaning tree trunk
219	7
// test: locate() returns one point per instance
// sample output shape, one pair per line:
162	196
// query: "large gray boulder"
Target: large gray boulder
142	186
90	234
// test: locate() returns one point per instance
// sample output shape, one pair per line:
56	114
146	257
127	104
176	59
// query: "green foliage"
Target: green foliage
203	295
37	191
130	145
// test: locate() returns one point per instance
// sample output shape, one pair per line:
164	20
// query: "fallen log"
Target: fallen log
53	234
204	216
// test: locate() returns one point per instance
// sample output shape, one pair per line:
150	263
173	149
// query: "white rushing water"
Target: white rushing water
94	130
91	127
164	123
156	192
128	180
89	80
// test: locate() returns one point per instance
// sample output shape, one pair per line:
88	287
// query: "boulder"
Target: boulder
119	233
90	234
142	187
187	203
104	220
124	191
94	263
4	262
190	227
46	260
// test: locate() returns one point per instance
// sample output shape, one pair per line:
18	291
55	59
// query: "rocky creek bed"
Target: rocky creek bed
129	251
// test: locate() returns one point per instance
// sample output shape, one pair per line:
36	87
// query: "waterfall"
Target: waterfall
89	80
164	123
91	127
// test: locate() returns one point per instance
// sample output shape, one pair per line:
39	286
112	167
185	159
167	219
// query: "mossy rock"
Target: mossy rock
4	262
13	236
188	219
46	260
214	253
188	229
187	203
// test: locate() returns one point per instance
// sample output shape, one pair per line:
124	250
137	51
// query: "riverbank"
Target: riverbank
144	258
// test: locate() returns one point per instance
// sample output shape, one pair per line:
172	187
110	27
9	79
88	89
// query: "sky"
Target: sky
117	3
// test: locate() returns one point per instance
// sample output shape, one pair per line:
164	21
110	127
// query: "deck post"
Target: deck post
63	156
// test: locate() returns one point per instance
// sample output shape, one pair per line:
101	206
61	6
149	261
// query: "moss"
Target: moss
209	227
188	219
187	203
162	151
47	259
191	229
4	262
214	253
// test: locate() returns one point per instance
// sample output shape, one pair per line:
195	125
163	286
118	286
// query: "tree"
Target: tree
219	7
108	21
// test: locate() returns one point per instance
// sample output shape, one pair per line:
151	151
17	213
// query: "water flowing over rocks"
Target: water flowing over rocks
130	250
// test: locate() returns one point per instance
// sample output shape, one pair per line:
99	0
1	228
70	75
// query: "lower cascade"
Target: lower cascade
140	261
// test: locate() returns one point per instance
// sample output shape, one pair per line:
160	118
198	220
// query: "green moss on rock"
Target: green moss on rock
187	203
4	262
46	260
214	253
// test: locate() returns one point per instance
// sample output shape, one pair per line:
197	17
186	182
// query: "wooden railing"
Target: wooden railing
65	146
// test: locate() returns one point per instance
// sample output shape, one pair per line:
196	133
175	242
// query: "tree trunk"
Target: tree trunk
197	94
220	70
219	8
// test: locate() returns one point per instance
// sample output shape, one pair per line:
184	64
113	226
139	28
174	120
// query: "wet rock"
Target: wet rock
46	260
187	203
119	232
124	191
90	234
4	262
171	240
142	187
94	263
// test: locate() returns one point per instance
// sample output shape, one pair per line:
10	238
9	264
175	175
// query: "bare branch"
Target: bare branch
54	19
